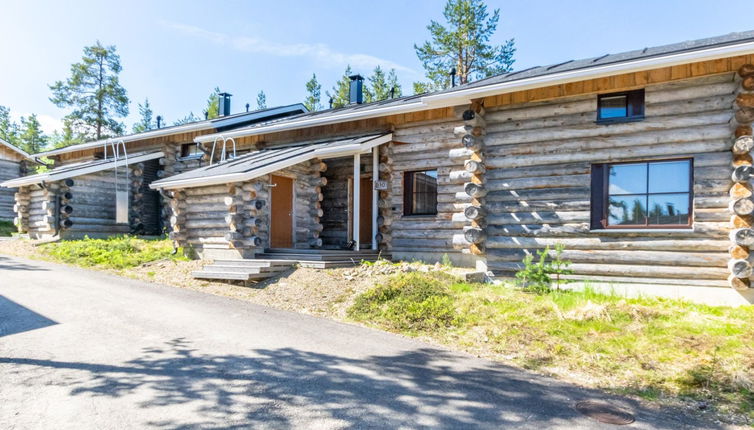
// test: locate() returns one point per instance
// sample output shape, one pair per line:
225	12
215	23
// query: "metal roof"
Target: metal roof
563	72
220	123
265	161
78	169
14	148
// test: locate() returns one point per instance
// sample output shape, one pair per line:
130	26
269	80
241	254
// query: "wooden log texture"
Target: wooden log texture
743	145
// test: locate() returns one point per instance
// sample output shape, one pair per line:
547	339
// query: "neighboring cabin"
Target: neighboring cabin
102	188
11	166
639	163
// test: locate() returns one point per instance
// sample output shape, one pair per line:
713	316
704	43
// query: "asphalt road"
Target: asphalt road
86	350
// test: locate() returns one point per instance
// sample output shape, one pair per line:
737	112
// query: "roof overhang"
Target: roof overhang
212	124
322	153
14	148
464	96
639	65
73	171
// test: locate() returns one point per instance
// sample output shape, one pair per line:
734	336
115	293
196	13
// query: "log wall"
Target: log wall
232	221
538	161
417	147
9	169
92	203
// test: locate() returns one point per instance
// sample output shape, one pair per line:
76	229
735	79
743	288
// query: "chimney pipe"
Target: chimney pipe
453	77
356	95
159	121
247	107
223	104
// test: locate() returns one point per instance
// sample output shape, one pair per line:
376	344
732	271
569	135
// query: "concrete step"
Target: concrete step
245	269
253	263
316	257
225	276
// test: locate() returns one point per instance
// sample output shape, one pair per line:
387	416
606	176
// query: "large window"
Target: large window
620	107
420	193
642	194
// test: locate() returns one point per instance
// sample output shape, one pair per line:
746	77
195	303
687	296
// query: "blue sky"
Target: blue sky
176	52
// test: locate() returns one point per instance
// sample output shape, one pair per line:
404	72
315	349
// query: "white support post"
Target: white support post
356	198
375	178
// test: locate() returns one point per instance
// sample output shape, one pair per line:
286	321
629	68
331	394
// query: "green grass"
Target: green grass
653	348
120	252
7	228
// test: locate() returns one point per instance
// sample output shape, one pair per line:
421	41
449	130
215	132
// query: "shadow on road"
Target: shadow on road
11	264
15	318
283	388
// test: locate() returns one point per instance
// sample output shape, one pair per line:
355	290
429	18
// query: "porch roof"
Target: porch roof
266	161
78	169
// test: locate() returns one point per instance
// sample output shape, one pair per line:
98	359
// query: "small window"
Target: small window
642	194
190	150
420	193
620	107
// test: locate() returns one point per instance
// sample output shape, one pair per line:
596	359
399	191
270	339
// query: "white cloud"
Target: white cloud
48	123
319	51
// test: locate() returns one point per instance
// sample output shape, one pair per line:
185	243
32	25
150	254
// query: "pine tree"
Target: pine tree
8	127
261	100
341	91
187	119
146	122
382	86
94	93
66	137
213	104
464	45
31	138
314	91
394	87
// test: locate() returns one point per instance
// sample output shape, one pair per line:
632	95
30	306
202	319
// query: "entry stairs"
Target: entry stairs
274	261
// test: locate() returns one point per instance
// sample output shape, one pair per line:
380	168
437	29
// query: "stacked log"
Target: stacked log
473	215
9	169
65	209
741	204
21	208
168	164
386	217
136	210
176	205
241	220
42	214
316	183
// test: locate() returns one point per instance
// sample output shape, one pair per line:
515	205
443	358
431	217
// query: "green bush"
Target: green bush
7	228
409	301
118	252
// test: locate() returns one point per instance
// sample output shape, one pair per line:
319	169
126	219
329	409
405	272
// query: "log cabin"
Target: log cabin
639	163
12	165
101	188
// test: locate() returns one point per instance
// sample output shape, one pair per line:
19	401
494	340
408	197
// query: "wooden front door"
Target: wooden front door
281	209
365	213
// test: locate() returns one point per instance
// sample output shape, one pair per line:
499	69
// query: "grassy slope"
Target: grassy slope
118	252
648	347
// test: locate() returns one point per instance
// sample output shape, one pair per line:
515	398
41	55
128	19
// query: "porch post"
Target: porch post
375	178
356	198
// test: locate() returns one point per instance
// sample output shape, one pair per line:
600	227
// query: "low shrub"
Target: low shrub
409	301
539	276
7	228
118	252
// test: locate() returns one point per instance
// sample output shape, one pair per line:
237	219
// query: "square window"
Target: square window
420	193
620	107
646	194
190	150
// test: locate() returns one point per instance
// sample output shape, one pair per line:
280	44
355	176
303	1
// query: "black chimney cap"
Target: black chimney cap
356	77
225	94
